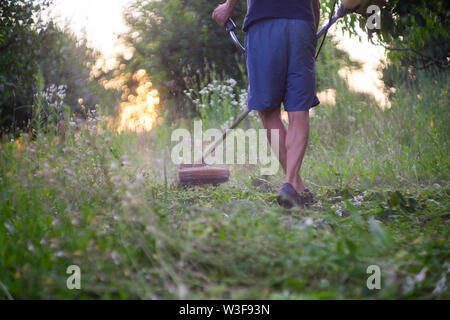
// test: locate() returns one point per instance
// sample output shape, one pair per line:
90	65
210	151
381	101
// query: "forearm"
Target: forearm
316	10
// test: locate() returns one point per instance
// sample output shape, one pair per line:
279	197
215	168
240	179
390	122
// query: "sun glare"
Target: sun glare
139	112
369	79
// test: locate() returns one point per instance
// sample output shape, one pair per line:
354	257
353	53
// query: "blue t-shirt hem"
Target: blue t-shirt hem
287	9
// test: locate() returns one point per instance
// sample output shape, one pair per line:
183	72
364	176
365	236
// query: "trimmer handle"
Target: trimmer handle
230	25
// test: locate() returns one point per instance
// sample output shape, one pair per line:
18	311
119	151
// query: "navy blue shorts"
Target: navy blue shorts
281	64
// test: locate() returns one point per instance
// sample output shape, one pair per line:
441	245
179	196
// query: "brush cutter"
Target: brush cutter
199	173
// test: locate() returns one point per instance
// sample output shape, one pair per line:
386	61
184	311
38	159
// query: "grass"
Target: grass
110	204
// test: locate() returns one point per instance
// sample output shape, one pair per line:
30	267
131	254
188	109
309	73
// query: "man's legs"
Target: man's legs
271	120
292	142
296	144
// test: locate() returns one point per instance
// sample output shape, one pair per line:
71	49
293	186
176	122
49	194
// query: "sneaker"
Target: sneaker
289	197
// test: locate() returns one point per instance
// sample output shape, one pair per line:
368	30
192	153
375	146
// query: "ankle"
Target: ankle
298	184
300	188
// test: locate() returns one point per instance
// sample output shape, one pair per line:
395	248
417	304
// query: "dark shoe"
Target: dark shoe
288	196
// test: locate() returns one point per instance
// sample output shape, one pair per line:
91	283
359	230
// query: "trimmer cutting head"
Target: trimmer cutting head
200	174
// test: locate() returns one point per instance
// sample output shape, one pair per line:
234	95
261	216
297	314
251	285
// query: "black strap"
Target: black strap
326	32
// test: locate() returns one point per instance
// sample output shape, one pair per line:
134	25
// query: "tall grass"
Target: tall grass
109	203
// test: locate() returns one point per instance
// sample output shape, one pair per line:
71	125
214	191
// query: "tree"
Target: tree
64	59
176	39
415	32
19	26
35	56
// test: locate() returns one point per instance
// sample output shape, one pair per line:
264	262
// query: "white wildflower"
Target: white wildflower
339	208
441	286
308	222
116	257
232	82
60	254
357	201
9	227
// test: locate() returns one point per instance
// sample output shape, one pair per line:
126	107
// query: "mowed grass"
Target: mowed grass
110	204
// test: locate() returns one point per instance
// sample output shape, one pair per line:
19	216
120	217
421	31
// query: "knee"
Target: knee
267	116
299	117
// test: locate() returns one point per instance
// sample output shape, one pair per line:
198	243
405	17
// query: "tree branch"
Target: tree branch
430	60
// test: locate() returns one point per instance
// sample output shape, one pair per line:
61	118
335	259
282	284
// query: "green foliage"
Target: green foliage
174	39
35	56
423	27
416	31
19	47
110	203
64	59
219	102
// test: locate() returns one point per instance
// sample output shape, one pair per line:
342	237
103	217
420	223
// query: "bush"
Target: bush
35	56
416	31
19	47
66	60
174	39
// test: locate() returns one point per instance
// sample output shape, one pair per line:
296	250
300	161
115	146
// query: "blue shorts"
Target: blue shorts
281	64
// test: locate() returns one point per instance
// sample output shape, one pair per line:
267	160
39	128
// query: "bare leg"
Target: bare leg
271	120
296	144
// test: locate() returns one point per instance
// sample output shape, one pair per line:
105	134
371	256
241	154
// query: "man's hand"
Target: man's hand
224	11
